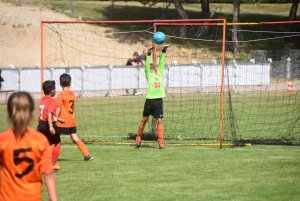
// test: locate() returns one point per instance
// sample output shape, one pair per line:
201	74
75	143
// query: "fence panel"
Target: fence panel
129	77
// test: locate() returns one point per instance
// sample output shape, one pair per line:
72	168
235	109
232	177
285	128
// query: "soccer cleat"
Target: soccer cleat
55	167
165	48
138	141
161	144
88	158
150	50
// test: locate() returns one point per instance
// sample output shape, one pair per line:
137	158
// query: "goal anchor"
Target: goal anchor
82	92
110	91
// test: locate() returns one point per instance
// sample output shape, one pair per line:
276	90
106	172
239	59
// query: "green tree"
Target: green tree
235	28
293	11
183	15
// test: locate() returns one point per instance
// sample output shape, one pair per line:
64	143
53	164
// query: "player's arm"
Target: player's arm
46	170
49	119
147	66
58	110
161	64
58	105
0	174
63	121
50	185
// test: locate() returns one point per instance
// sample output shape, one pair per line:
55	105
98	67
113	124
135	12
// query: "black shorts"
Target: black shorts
66	131
153	107
43	127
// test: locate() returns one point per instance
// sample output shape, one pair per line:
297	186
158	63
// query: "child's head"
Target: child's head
49	87
20	109
152	68
135	56
65	80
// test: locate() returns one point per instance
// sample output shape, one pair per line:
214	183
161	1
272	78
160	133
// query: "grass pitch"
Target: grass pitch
122	172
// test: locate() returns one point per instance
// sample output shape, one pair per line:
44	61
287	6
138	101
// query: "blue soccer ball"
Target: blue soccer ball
159	37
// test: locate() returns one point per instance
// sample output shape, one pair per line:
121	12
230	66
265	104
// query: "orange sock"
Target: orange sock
160	135
82	148
139	133
51	148
55	154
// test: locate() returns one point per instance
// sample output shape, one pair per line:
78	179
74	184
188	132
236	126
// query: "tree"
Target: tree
183	15
205	8
235	28
293	11
203	30
292	17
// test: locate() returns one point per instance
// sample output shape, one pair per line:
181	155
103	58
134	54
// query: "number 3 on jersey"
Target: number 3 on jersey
71	103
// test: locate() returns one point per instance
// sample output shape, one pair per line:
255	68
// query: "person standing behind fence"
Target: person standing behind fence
154	102
24	155
47	120
66	110
143	56
133	61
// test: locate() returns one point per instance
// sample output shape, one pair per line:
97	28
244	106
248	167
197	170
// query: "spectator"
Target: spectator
133	61
142	57
1	80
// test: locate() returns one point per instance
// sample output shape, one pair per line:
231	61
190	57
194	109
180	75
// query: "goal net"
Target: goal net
213	97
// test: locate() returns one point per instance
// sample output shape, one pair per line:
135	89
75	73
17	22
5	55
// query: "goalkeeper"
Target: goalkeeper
154	102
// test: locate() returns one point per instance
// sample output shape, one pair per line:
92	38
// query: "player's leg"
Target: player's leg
55	142
160	133
87	155
43	127
158	114
140	131
55	155
142	123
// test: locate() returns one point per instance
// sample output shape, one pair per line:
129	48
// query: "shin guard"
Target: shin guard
139	133
160	135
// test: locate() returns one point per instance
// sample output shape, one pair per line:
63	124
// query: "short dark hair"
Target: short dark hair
65	80
48	86
136	54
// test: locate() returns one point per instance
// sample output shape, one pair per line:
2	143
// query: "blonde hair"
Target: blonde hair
20	108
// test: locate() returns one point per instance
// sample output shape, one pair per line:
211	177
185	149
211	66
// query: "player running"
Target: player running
66	110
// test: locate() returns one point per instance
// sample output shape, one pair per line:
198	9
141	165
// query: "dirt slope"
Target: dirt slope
20	33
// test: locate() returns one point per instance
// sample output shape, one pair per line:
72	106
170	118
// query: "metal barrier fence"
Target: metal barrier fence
128	77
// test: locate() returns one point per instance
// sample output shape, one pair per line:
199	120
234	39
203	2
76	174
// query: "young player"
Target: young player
65	109
24	155
154	102
47	120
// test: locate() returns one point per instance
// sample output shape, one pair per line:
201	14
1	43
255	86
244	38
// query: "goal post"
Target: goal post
213	97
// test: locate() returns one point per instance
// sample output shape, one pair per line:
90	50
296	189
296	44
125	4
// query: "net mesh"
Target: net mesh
257	107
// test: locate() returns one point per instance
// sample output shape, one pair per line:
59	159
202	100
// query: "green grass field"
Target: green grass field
271	116
122	172
185	170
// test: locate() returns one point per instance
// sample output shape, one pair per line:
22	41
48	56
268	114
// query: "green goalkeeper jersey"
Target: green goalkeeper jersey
156	88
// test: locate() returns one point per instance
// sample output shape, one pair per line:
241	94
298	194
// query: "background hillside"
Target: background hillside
20	25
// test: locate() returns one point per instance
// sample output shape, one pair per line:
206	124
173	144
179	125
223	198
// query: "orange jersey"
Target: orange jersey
66	101
22	162
47	104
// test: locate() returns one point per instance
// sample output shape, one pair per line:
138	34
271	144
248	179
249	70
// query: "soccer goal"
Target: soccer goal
213	97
